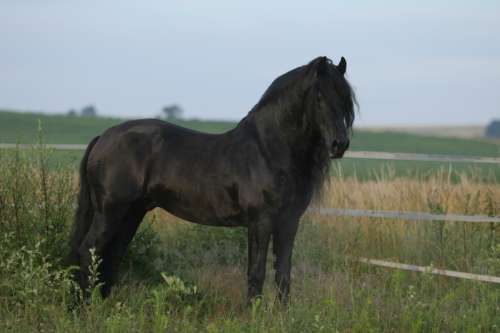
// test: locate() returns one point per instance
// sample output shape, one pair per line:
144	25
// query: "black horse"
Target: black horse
261	175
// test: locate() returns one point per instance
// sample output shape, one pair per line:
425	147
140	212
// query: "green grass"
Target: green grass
80	130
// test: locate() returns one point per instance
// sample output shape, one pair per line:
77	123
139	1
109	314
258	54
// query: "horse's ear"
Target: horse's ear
322	66
341	67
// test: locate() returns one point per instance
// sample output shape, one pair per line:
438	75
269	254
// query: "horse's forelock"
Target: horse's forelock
333	87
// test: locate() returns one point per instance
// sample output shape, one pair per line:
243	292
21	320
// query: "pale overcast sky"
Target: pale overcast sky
411	62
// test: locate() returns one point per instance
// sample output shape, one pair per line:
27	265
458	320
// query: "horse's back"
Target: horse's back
204	178
137	139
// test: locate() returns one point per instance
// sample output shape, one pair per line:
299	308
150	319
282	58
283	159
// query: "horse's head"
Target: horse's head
331	105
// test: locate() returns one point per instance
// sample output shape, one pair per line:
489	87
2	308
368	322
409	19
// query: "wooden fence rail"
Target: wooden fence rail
55	146
438	271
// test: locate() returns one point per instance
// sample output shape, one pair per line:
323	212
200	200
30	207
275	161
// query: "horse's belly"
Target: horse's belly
203	210
206	218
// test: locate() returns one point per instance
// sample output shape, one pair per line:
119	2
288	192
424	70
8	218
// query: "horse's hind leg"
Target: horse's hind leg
116	248
98	237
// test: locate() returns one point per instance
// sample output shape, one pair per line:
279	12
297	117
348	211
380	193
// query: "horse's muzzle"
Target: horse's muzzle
338	148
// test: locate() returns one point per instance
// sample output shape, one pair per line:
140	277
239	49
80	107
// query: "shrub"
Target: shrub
37	198
29	280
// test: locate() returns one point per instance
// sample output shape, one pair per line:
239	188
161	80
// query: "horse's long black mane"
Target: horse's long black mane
314	172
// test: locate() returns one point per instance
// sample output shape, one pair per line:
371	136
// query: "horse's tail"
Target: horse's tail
84	212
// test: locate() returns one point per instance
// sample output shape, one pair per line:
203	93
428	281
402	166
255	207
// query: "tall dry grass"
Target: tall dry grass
410	193
463	246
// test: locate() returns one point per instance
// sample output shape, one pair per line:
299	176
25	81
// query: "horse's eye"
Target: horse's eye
319	98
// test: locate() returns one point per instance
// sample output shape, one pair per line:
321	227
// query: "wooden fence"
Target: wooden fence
418	216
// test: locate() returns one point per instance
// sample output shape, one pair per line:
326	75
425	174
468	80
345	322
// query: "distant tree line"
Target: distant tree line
88	111
170	112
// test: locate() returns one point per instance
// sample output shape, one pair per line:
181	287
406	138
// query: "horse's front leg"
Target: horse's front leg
283	239
259	234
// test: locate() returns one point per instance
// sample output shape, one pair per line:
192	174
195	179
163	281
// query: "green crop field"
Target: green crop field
60	129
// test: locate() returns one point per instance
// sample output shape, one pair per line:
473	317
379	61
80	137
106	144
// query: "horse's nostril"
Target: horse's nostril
335	145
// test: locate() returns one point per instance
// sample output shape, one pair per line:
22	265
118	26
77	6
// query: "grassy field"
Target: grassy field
205	267
407	143
79	130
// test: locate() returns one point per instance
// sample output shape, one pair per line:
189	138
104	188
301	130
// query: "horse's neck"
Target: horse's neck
280	129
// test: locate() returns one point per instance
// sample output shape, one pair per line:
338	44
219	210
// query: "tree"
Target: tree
89	111
172	112
493	129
